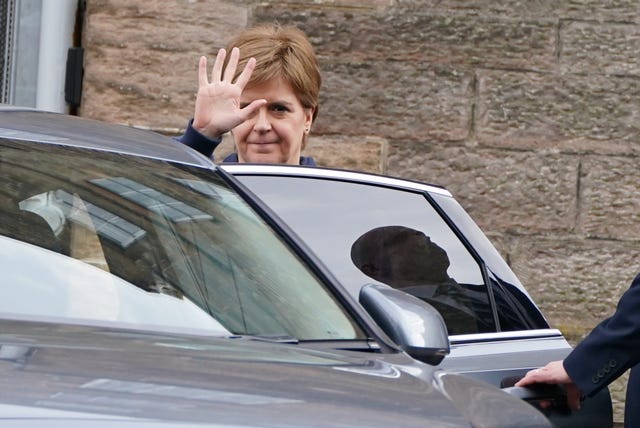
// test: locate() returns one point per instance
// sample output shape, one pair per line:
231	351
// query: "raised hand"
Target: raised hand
218	108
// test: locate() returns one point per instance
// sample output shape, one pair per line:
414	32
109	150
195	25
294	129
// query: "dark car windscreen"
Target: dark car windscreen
88	235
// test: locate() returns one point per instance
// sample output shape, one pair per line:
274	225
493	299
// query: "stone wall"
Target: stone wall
527	110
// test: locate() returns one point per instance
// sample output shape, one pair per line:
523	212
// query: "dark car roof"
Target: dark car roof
54	128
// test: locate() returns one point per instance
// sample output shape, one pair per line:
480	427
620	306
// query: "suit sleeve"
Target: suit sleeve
611	348
199	142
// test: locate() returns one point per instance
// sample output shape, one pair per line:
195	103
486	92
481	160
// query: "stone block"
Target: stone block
395	100
418	35
610	198
599	10
505	191
571	113
614	10
600	48
320	4
141	58
575	282
354	153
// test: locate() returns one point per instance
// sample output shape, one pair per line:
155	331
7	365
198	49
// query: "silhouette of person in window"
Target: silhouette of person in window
407	259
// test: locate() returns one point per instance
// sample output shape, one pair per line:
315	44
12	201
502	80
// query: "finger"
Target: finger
216	73
232	65
545	404
574	396
202	71
248	110
523	382
574	403
244	77
528	378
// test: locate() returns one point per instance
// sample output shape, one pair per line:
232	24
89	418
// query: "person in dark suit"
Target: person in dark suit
612	348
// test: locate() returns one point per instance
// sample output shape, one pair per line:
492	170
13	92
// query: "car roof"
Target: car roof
332	173
26	124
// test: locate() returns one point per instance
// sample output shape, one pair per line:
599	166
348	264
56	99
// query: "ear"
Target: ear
308	118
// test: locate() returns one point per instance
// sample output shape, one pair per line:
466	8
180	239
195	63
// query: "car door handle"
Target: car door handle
544	397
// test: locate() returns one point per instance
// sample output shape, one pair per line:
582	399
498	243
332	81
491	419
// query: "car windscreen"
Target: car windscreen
106	237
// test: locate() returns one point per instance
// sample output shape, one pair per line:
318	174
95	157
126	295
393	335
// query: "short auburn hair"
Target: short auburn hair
280	51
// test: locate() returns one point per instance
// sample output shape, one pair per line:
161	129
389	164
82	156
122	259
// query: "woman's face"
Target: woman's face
274	134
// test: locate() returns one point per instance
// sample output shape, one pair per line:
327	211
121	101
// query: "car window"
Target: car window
146	242
369	233
514	306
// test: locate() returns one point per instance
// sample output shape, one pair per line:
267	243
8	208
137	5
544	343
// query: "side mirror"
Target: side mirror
414	325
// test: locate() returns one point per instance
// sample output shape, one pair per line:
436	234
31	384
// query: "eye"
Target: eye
279	108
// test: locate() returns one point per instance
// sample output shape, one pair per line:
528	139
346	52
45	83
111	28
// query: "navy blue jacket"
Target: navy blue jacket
206	146
609	350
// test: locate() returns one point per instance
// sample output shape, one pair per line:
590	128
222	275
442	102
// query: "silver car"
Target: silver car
143	286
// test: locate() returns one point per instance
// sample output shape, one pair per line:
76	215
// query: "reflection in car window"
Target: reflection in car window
408	260
152	243
351	212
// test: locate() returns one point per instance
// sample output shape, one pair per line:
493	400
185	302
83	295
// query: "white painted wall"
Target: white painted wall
56	37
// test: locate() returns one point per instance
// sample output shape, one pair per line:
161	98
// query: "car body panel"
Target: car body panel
79	373
80	369
45	127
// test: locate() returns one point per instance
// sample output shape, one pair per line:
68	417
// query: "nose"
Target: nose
262	124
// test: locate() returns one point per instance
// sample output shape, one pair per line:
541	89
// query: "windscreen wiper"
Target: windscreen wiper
273	338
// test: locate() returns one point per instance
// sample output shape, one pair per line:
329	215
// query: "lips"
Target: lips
262	146
262	142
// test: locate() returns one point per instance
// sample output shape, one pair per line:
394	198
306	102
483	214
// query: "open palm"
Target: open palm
218	108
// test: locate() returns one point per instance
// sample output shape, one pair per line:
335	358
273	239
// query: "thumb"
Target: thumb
250	109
